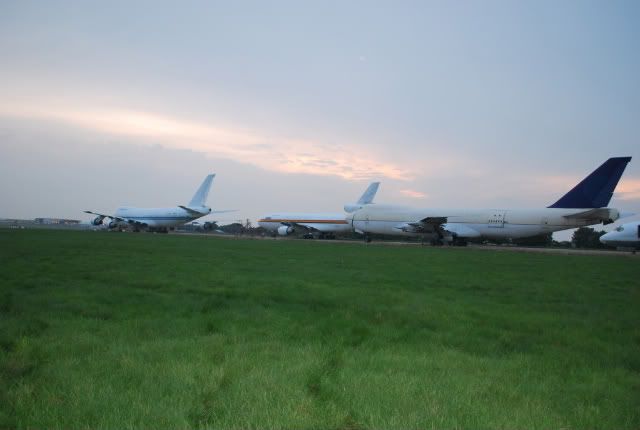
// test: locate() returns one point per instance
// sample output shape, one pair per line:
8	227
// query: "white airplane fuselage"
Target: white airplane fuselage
160	217
322	222
626	235
470	223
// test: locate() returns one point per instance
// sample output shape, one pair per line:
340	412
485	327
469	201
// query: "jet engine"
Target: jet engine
97	220
114	224
285	230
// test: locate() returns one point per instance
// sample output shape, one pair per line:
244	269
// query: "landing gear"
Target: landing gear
367	238
323	236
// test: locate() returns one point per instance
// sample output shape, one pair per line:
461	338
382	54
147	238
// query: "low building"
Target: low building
60	221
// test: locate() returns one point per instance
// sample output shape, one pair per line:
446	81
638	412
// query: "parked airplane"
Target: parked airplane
321	224
160	219
625	236
584	205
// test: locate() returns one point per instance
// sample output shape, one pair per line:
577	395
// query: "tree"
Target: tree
586	237
544	239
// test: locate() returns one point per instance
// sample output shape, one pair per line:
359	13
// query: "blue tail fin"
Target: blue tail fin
595	190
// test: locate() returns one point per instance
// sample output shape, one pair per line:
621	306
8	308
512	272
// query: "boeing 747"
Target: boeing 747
324	225
159	219
586	204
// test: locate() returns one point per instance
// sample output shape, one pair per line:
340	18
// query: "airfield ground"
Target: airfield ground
165	331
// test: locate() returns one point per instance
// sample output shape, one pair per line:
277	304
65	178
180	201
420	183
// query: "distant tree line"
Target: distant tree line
587	237
584	237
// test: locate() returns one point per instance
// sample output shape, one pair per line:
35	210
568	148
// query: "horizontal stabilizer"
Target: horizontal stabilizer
604	215
224	211
193	211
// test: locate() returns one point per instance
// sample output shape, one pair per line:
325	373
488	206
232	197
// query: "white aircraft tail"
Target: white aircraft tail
369	194
200	197
365	199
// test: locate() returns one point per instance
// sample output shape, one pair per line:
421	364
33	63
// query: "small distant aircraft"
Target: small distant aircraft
159	220
625	236
324	225
584	205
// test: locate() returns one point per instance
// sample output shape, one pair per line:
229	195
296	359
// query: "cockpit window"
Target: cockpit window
621	228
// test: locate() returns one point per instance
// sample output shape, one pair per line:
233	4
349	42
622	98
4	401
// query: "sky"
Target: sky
297	106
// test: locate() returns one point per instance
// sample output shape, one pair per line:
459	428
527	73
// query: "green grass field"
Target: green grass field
102	330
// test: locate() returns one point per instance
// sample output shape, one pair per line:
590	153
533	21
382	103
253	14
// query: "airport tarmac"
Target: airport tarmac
503	248
499	248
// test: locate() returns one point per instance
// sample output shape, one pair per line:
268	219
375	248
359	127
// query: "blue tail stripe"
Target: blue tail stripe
595	190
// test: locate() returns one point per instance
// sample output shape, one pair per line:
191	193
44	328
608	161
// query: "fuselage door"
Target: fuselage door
496	219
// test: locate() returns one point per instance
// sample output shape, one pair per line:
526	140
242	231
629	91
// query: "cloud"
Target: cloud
351	162
414	194
628	189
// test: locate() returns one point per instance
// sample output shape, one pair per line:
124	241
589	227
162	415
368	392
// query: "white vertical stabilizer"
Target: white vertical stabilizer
200	197
365	199
369	194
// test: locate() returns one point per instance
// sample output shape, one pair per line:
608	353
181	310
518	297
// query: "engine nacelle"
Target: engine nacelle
97	220
208	226
114	224
285	230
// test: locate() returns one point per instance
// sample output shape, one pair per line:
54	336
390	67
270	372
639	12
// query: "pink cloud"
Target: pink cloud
352	162
628	189
414	194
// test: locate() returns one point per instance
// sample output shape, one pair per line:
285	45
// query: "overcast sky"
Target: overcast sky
297	106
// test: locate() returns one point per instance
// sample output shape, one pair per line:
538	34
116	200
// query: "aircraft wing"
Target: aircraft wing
439	226
425	225
113	217
319	227
119	219
305	226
